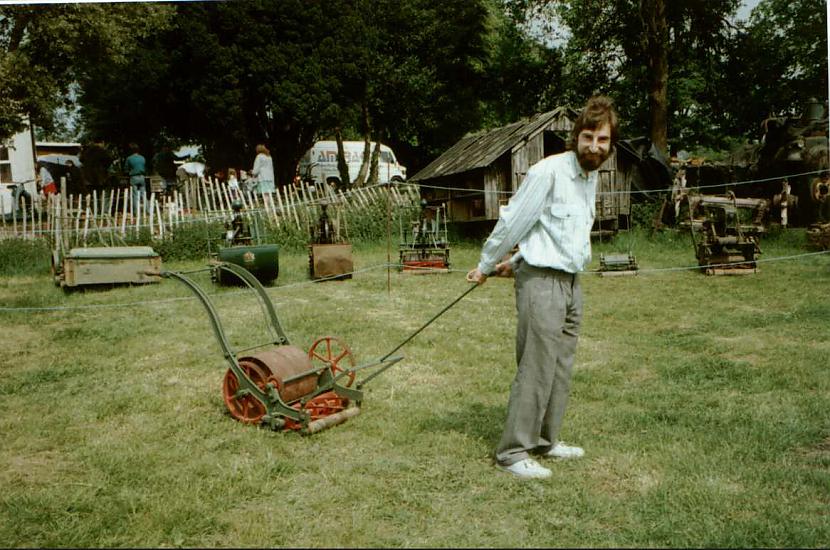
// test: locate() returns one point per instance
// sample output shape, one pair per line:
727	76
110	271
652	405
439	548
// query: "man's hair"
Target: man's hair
133	147
598	110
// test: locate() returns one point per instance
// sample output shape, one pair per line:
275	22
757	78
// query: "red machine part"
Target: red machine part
247	408
325	404
281	363
332	351
424	264
271	366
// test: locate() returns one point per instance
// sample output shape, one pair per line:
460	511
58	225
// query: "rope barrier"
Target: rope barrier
644	191
213	217
384	266
181	298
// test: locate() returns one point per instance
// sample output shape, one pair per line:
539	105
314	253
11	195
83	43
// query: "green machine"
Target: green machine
244	248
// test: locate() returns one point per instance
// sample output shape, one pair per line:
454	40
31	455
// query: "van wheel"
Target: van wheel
397	179
335	182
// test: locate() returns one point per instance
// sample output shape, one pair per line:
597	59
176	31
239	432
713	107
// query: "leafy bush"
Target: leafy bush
189	241
643	214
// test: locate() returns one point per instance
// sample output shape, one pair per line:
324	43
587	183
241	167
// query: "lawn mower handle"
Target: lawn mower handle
413	335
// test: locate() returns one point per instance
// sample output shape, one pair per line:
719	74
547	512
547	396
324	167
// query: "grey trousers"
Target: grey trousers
549	306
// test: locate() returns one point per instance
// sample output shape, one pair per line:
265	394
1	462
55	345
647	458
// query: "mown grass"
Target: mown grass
703	404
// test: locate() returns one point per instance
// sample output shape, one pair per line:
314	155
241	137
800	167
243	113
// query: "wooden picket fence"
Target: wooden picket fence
108	217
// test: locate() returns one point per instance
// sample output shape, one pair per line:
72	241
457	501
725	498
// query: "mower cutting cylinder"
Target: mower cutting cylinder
279	366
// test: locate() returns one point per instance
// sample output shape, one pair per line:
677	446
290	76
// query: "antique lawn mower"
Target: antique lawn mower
281	386
614	265
243	247
329	256
425	248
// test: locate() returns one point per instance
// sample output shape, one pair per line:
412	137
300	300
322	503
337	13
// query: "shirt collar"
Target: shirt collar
577	169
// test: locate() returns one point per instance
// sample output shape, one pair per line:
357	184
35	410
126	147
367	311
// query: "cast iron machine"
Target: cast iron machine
329	257
425	247
280	385
611	265
239	248
726	244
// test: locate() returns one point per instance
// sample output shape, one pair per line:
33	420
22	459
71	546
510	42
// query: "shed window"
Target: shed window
5	165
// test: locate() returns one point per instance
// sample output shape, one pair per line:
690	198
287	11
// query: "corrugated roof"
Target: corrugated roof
481	149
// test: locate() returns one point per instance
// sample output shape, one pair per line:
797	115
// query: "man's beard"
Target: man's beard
591	161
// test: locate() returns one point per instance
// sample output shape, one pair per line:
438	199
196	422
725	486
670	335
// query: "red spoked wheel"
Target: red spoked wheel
247	408
335	354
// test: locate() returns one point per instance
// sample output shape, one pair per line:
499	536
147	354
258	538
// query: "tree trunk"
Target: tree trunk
342	166
367	148
653	13
373	170
286	150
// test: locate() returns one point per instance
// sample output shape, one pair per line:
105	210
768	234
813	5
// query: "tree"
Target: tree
230	75
44	49
641	59
522	76
784	47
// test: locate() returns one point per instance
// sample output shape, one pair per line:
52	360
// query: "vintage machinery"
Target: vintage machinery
725	232
818	236
424	247
105	265
281	386
328	256
614	265
260	259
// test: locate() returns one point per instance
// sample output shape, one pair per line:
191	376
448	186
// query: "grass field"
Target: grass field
703	404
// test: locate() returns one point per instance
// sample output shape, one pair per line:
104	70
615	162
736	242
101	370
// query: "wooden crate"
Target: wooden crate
107	265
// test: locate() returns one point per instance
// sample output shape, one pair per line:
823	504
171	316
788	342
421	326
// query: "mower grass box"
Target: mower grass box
107	265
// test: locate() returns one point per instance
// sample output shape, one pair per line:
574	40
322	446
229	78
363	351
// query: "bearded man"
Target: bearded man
550	218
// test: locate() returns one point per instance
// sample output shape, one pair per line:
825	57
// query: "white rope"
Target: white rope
632	192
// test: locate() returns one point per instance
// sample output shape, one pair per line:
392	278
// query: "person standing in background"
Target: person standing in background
263	170
46	181
233	183
136	168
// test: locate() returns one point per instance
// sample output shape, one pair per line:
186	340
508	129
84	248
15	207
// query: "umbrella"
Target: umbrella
193	169
56	158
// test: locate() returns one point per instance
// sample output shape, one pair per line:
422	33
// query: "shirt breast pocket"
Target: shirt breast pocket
568	222
562	211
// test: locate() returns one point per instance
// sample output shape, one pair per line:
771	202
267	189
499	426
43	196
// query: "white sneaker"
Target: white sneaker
560	450
526	469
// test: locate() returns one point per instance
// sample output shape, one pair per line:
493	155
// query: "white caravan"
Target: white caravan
320	163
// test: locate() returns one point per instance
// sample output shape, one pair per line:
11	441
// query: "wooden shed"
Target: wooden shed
481	171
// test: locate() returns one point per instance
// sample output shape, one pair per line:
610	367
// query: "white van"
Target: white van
320	162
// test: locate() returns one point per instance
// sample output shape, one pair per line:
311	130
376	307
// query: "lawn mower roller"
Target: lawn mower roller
282	387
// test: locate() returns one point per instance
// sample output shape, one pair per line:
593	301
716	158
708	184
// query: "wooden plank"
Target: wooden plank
282	210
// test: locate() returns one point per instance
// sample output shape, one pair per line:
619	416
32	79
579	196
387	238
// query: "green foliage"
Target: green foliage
288	73
44	49
523	76
189	241
24	256
784	49
643	214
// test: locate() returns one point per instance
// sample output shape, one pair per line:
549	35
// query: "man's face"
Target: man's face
593	146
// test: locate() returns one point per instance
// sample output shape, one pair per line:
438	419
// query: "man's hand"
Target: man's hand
504	269
476	276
